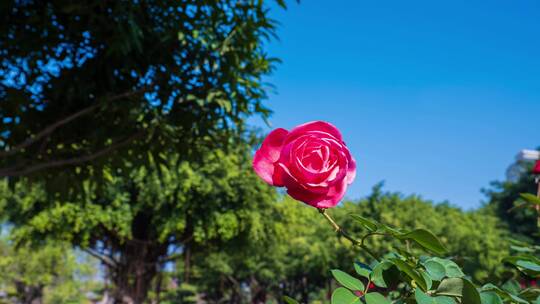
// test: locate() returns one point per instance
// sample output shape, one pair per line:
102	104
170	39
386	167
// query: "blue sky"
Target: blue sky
435	98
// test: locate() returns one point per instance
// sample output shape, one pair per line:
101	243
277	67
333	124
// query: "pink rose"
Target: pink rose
311	161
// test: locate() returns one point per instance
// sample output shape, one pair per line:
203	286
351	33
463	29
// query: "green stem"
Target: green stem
344	234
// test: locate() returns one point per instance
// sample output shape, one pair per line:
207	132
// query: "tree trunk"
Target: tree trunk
187	236
158	287
135	273
29	294
138	264
305	294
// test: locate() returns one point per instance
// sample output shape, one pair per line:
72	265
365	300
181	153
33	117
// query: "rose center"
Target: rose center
316	157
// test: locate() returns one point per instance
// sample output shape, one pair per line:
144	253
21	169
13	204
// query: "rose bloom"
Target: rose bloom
311	161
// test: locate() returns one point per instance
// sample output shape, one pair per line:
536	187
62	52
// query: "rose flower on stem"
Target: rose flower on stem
313	162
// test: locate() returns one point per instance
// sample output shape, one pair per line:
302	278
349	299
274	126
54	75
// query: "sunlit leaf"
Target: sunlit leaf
376	298
344	296
347	280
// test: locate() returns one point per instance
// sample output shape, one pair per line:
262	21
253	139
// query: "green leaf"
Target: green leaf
426	239
367	223
344	296
530	198
377	274
511	285
445	300
435	269
531	294
347	280
427	278
451	287
391	230
422	298
452	270
411	272
376	298
362	269
290	300
528	265
521	249
490	297
459	287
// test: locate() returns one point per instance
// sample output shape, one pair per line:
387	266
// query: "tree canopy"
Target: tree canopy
102	81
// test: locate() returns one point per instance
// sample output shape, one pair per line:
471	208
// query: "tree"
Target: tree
51	273
134	224
297	260
289	259
502	198
86	86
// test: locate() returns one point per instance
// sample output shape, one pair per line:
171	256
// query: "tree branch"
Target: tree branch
51	128
70	161
103	258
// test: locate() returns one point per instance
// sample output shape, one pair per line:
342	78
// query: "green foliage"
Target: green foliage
408	276
218	204
343	295
296	261
51	273
479	248
123	128
347	281
505	199
94	85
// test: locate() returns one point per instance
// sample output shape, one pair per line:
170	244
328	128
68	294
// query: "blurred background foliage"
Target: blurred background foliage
249	244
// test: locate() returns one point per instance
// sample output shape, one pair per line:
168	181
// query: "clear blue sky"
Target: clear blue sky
433	97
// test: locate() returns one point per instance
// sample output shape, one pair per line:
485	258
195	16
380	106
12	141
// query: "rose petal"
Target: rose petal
351	169
303	195
268	154
334	195
314	127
